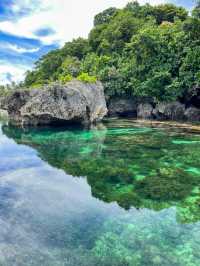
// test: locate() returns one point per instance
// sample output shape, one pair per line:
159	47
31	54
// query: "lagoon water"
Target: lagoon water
120	194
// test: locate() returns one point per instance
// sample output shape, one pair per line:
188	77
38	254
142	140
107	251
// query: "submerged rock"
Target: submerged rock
74	102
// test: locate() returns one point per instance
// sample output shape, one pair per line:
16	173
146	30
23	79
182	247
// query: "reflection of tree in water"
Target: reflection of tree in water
135	167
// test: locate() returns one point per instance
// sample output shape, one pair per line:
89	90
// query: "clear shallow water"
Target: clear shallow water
116	195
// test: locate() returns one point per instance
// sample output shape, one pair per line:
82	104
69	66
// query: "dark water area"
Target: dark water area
119	194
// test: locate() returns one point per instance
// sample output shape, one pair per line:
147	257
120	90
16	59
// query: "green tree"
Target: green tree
70	66
105	16
45	69
196	10
77	48
168	12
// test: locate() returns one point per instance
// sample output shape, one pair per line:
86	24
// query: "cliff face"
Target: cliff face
74	102
145	109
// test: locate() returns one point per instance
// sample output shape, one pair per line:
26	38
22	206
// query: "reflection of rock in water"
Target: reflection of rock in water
135	167
61	147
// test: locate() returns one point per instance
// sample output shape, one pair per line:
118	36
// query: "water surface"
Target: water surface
116	195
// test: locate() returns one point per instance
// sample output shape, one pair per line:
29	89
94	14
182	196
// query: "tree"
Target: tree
168	12
196	10
111	38
105	16
70	66
77	48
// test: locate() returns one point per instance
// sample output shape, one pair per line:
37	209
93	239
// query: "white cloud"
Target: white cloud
18	49
20	5
67	18
11	72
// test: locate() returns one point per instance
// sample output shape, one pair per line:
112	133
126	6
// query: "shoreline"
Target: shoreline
170	124
192	127
188	126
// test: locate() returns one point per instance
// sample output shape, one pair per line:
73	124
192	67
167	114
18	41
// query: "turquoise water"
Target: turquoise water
119	194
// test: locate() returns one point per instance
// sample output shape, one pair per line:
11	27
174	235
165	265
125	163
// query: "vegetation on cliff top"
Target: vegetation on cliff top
140	50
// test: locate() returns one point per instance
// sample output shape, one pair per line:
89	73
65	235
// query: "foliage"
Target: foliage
85	77
70	66
169	12
105	16
3	91
77	48
196	10
65	79
140	50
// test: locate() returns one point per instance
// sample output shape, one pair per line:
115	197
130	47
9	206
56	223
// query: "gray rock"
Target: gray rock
74	102
122	107
145	111
192	114
169	111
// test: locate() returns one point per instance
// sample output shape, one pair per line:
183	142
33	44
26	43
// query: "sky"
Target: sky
31	28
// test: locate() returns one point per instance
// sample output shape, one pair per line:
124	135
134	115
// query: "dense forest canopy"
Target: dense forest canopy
140	50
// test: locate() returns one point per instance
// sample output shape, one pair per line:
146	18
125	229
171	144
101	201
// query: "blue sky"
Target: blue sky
31	28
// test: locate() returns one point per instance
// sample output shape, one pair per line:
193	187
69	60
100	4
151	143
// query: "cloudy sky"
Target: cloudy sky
30	28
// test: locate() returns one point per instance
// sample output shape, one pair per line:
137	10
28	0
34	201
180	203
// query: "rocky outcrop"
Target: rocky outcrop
169	111
122	107
77	102
192	114
174	111
84	103
145	111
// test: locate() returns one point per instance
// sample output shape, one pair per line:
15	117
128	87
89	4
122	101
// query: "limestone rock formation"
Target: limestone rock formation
122	107
145	111
192	114
169	111
77	102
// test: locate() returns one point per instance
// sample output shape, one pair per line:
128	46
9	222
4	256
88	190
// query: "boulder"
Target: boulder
75	102
145	111
122	107
169	111
192	114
